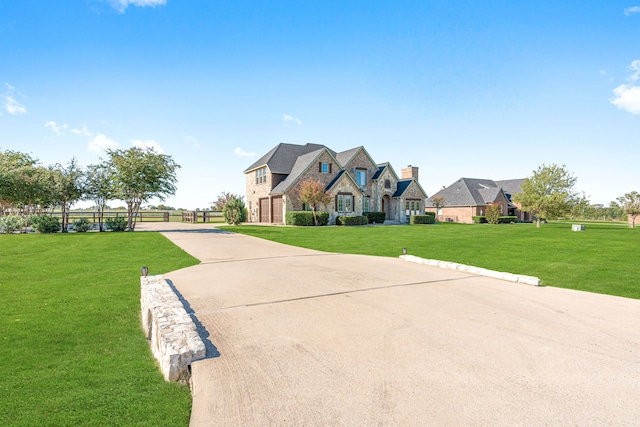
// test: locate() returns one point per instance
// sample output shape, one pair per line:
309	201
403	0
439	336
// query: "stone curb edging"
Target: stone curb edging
510	277
172	335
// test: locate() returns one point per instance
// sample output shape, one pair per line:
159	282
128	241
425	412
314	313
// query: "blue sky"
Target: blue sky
478	89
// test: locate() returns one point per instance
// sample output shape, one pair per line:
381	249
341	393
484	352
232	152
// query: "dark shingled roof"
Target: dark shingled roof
378	172
511	187
344	157
281	158
468	192
334	180
301	164
403	184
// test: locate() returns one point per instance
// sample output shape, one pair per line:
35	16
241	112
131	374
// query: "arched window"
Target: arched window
387	183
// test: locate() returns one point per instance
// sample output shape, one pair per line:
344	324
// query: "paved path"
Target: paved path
310	338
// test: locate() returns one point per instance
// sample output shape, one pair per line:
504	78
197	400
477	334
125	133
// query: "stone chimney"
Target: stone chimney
410	172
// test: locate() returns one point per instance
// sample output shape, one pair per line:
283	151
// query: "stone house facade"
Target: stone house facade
357	183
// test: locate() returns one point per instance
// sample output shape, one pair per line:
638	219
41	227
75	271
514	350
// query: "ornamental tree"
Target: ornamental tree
631	204
141	174
311	193
548	193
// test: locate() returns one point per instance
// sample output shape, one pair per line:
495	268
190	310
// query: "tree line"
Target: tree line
135	176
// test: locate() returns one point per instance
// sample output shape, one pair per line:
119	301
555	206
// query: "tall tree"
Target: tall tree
311	193
66	188
99	188
141	174
631	204
548	193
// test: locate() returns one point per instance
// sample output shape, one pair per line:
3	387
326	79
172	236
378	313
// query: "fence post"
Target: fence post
166	217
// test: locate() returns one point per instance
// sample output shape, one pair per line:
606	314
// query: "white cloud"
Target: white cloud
81	131
101	143
629	10
148	144
627	96
286	118
10	104
121	5
55	128
240	152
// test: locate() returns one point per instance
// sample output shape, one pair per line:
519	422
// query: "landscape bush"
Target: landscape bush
375	217
305	218
45	223
116	223
352	220
506	219
422	219
11	223
234	211
493	214
82	225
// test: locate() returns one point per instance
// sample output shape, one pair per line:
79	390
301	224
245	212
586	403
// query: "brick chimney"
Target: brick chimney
410	172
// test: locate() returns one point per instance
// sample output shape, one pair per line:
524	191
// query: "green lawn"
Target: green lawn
73	350
602	259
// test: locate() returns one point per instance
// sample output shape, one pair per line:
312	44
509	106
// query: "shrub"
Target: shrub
375	217
45	223
352	220
116	223
508	219
305	218
493	214
479	219
11	223
82	225
234	211
422	219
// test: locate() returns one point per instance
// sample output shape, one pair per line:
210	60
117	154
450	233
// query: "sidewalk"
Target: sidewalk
310	338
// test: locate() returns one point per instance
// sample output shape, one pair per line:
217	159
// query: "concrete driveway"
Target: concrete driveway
310	338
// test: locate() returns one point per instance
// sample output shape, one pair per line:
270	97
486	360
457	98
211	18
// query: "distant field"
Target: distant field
73	350
601	259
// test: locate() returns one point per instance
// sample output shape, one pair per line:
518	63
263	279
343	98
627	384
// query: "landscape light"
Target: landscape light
144	271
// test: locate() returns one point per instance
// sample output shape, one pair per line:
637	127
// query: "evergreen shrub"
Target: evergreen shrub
352	220
375	217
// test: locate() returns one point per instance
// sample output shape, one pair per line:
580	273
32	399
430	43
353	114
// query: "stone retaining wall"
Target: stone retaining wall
172	335
517	278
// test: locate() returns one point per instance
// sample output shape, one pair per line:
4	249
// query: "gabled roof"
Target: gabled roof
301	164
281	158
381	168
338	178
511	187
345	157
468	192
404	184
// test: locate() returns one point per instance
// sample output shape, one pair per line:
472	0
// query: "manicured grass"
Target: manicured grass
73	350
601	259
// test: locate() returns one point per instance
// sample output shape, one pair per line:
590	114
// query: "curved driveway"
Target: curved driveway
310	338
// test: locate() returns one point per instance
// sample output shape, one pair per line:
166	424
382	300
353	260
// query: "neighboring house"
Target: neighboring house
469	197
357	183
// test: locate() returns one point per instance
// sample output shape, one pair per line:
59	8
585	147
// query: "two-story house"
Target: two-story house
357	183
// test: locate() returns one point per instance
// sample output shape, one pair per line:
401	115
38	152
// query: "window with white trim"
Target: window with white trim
261	175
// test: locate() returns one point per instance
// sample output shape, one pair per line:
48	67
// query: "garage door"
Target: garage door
264	210
276	212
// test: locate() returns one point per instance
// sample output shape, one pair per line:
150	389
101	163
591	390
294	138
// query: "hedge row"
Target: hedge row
305	218
422	219
375	217
503	219
352	220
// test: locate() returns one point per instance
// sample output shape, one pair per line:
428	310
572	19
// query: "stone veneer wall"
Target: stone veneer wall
172	335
